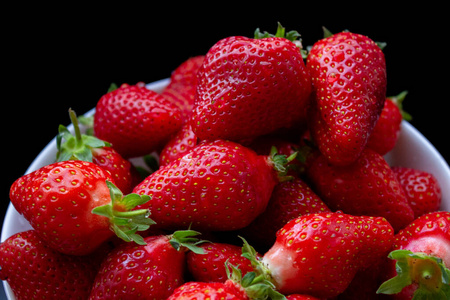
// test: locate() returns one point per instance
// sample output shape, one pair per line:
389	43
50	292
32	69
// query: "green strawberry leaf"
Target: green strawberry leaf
124	221
76	146
429	272
186	239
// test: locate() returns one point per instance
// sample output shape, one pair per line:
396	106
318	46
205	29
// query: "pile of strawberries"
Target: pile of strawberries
270	183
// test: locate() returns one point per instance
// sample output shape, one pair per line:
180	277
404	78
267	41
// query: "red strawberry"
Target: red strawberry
366	187
422	189
319	254
151	271
208	290
35	271
248	87
135	120
422	254
210	265
348	73
89	148
74	207
289	200
387	129
236	286
218	185
181	143
183	85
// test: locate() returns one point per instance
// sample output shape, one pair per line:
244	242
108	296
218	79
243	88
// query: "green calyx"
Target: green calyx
76	146
292	36
257	284
428	272
280	163
398	100
186	239
124	221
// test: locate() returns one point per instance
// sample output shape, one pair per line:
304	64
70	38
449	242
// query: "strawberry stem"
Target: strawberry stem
124	221
76	127
77	147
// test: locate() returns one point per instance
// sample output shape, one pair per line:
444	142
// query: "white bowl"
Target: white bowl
412	150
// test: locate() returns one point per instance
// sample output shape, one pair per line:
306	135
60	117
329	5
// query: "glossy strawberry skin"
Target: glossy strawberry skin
210	266
219	185
249	87
421	188
366	187
135	120
58	199
183	141
131	271
289	200
325	250
183	85
387	129
35	271
348	73
208	290
119	168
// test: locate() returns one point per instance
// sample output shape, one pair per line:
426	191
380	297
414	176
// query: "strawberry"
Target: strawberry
210	265
348	73
216	186
74	207
421	188
89	148
366	187
289	200
35	271
236	286
183	141
151	271
319	254
420	260
135	120
183	84
208	290
250	86
387	129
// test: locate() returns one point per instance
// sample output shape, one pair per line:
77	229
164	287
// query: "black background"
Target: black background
60	57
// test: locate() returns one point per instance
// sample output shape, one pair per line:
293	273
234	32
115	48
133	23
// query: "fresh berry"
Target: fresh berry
421	188
208	290
151	271
387	129
420	260
74	207
348	73
319	254
89	148
179	144
249	87
183	85
216	186
209	266
289	200
249	286
366	187
135	120
35	271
